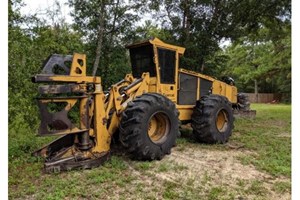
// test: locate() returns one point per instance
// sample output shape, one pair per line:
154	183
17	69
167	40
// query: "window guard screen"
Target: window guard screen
142	61
166	60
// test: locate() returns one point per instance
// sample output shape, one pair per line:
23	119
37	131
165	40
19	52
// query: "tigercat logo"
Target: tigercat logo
169	95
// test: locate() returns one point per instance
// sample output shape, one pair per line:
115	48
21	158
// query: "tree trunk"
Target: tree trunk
113	29
255	85
100	38
186	21
256	91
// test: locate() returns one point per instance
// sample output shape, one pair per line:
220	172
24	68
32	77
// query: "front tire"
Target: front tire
212	119
149	127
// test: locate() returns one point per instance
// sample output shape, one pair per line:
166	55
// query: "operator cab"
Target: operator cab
160	60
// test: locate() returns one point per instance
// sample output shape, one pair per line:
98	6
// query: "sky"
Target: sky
37	6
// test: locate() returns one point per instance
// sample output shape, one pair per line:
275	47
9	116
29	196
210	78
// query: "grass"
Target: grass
267	139
256	188
281	187
216	193
269	136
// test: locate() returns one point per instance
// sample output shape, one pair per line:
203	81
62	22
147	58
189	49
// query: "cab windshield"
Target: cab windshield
142	61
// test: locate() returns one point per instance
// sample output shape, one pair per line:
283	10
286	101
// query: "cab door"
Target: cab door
167	68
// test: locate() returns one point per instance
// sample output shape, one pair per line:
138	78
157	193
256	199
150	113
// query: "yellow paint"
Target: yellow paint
158	127
103	138
168	90
75	79
192	73
221	120
185	111
152	127
76	68
114	124
153	84
157	42
144	86
134	88
218	87
226	90
160	43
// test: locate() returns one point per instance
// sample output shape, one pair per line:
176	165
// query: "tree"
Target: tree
264	64
30	42
200	26
105	25
149	30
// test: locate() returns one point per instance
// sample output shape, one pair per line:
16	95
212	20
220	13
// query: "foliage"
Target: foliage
28	48
201	25
105	26
149	30
269	62
259	31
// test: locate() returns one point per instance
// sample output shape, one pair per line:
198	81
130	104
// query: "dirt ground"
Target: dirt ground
200	169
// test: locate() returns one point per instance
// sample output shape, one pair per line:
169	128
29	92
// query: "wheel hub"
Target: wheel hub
222	121
158	127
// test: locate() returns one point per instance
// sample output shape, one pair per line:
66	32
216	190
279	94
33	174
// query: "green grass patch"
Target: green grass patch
164	167
144	165
216	193
256	188
269	137
281	187
170	191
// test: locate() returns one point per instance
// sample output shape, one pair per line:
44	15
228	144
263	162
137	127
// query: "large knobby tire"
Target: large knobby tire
243	102
212	119
149	127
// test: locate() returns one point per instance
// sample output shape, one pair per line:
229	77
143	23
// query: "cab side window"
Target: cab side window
167	60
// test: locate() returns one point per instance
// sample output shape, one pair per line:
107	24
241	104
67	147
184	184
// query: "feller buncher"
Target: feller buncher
145	108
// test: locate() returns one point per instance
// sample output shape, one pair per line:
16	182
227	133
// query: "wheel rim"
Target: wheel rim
158	127
222	121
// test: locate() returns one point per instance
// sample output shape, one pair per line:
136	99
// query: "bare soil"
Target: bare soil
202	169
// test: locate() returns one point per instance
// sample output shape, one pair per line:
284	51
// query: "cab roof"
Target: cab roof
157	42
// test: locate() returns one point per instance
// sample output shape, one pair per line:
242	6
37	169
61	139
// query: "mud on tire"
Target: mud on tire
149	127
212	119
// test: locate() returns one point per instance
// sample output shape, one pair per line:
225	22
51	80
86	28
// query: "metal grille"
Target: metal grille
167	65
187	94
205	87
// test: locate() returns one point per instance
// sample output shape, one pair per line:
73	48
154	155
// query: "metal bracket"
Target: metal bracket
57	61
57	123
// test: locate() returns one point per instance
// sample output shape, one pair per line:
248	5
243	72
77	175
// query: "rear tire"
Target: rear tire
212	119
149	127
243	102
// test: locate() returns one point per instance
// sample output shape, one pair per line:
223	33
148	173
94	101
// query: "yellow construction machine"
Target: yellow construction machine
145	108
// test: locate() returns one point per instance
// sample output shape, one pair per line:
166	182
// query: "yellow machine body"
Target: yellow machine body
100	112
172	90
